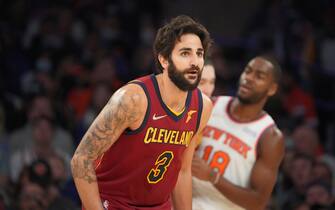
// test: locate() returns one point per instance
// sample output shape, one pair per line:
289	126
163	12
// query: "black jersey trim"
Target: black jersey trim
200	102
165	107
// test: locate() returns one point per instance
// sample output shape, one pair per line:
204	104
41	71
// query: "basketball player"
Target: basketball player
241	148
137	154
207	81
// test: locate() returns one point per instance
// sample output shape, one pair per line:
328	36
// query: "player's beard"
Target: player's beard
252	99
179	79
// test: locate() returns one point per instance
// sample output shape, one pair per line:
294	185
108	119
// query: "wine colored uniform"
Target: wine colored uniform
140	170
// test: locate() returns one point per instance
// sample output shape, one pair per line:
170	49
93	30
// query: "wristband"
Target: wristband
217	177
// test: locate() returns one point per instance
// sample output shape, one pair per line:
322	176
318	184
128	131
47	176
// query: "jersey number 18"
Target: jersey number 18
219	161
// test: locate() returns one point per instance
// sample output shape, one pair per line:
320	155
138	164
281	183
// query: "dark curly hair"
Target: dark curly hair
171	32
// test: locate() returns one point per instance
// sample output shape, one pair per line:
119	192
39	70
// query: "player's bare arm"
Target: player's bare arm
182	194
270	154
125	109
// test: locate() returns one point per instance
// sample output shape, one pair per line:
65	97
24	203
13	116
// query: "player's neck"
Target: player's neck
245	112
172	96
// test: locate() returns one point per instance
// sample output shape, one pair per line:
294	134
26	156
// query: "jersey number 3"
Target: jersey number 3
162	163
219	160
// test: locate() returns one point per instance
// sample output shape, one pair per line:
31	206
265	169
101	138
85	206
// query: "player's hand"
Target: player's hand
200	169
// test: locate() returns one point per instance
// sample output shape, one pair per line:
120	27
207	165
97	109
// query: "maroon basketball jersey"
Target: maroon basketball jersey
141	169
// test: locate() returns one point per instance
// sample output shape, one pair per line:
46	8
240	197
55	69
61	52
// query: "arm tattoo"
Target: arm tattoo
122	110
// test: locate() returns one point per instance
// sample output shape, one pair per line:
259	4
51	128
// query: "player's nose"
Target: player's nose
195	60
249	78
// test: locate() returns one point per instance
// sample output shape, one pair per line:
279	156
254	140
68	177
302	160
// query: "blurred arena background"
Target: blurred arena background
60	61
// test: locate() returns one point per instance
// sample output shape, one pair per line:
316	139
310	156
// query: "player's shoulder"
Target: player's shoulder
206	110
272	144
207	103
131	93
134	86
273	135
273	132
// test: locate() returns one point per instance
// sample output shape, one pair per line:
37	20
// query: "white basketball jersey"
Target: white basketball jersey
229	147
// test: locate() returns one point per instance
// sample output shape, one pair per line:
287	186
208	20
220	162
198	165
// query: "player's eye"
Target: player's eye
200	54
185	53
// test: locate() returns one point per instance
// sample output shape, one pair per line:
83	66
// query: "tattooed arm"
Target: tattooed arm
126	109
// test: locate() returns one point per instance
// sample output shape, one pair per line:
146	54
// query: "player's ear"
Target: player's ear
273	89
163	61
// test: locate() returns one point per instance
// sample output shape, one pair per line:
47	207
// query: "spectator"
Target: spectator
322	171
38	192
306	140
300	175
40	105
319	194
42	130
99	97
32	197
62	180
297	102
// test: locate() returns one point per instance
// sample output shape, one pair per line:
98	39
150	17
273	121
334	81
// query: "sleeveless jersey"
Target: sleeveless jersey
229	147
140	170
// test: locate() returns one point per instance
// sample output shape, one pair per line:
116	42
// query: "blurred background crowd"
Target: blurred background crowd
61	60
